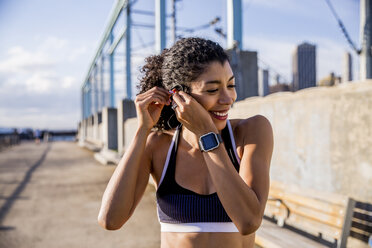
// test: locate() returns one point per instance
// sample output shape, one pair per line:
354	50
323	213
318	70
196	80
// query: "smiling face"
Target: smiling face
215	91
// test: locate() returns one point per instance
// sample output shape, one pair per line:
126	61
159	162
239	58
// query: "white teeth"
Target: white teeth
220	114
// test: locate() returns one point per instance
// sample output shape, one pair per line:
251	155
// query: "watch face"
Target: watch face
209	141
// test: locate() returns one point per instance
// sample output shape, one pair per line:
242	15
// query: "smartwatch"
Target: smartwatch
209	141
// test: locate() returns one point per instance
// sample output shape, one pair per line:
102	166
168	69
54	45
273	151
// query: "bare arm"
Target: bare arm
244	195
126	185
129	180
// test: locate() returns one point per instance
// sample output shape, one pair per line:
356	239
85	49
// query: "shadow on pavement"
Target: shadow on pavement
15	195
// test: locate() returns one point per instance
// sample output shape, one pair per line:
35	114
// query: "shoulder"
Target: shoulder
157	146
255	129
159	138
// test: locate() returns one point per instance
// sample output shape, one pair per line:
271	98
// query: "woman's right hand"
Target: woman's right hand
149	106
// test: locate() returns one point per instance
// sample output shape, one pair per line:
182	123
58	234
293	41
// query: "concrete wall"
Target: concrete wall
130	127
126	110
97	132
323	136
109	128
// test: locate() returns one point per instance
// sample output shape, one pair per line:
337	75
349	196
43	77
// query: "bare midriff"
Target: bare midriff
201	240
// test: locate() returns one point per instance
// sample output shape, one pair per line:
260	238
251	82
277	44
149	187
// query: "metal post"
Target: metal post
82	104
89	99
263	82
173	22
86	93
86	102
234	24
347	75
159	25
102	89
95	88
366	38
128	55
112	75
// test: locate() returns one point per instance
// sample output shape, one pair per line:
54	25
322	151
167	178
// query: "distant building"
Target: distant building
245	69
347	71
330	80
277	79
304	66
263	82
279	87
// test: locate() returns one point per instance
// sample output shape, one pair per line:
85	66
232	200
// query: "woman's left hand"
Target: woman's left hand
192	114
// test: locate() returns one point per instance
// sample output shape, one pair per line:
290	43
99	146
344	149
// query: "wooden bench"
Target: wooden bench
296	217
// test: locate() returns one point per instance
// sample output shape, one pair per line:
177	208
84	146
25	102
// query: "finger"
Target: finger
152	94
160	90
152	99
154	91
178	98
179	101
156	100
187	98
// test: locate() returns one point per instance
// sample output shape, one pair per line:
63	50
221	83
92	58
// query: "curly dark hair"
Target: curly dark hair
185	61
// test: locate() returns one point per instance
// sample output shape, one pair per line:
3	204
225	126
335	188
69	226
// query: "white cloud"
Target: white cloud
20	60
39	86
39	82
38	70
54	43
68	82
75	53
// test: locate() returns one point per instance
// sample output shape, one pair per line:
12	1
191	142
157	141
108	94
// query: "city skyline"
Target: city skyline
304	66
47	47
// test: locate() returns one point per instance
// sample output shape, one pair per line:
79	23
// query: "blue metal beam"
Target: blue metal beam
88	96
128	54
234	24
102	89
112	76
119	37
95	88
82	105
115	12
160	38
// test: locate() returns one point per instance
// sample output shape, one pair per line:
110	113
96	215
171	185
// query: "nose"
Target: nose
226	97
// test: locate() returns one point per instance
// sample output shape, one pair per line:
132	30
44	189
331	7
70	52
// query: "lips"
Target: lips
220	115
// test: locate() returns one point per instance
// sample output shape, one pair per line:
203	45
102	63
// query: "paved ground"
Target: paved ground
50	195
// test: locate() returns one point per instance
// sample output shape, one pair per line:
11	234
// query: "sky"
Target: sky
47	46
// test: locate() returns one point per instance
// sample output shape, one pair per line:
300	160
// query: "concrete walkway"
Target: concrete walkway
50	195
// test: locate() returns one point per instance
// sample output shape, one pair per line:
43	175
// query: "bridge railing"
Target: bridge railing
8	139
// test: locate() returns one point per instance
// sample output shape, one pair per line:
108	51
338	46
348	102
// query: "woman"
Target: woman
211	173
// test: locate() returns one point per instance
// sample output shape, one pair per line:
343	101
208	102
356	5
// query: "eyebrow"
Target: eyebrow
218	82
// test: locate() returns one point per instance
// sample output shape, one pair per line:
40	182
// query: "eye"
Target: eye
232	86
212	91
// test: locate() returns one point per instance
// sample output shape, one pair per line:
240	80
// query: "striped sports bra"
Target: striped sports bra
182	210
